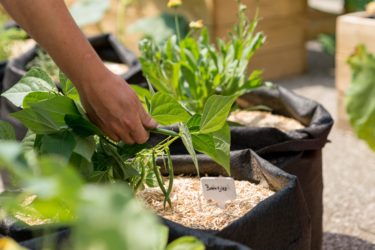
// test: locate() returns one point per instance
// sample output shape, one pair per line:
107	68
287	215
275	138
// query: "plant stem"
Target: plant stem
177	26
166	132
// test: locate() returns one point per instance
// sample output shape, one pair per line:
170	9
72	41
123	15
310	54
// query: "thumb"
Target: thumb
147	120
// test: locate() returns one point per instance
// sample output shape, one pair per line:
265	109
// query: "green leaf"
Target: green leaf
85	147
166	110
101	210
35	122
34	80
7	131
359	100
68	88
35	97
194	122
216	145
186	243
55	109
61	144
87	12
188	142
82	126
215	113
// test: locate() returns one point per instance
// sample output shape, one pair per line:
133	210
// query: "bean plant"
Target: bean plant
192	69
105	215
58	125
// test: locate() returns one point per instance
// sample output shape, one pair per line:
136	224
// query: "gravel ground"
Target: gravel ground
348	164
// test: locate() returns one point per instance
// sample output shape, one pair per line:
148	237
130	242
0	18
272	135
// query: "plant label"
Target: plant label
219	189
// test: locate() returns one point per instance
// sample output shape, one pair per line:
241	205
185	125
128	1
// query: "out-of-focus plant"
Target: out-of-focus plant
161	27
328	43
360	97
356	5
58	125
8	36
89	12
98	215
191	69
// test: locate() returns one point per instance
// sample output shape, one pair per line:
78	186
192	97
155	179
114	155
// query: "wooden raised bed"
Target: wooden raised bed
284	23
352	29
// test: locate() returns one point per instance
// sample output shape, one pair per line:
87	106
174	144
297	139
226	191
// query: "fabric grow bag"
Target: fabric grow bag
105	45
297	152
33	237
279	222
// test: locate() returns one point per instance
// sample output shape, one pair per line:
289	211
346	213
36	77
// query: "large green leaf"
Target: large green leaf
55	110
215	113
360	97
35	122
35	97
188	142
82	126
111	218
216	145
62	144
34	80
85	147
68	88
87	12
166	110
7	131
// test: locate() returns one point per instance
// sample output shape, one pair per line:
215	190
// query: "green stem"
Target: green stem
177	26
166	132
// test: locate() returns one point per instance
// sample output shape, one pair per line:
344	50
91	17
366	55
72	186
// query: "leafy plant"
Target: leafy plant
161	27
99	215
58	126
192	69
359	100
88	12
356	5
7	39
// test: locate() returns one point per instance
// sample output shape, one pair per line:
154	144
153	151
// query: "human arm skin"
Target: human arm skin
108	100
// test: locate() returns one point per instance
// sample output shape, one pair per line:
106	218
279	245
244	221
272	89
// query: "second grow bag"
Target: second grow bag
298	152
105	45
279	222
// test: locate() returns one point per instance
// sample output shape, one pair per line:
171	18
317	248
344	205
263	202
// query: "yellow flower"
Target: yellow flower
196	24
174	3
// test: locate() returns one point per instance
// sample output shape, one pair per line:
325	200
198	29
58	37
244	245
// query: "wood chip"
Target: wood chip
264	119
192	210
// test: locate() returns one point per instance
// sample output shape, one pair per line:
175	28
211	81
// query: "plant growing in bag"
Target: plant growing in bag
58	126
53	192
9	37
191	69
359	100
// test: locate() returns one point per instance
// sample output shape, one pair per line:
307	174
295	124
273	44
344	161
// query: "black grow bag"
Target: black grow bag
279	222
297	152
108	49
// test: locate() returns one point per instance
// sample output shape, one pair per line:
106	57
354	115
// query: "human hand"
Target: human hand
115	108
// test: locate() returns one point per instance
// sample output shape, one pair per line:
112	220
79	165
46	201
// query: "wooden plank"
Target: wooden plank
280	63
286	32
320	22
352	30
226	10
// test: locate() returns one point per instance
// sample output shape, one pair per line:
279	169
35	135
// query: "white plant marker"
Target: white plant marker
219	189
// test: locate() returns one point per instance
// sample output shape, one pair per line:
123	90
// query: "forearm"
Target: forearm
51	25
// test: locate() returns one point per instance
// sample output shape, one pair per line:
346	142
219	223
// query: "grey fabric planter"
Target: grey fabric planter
297	152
